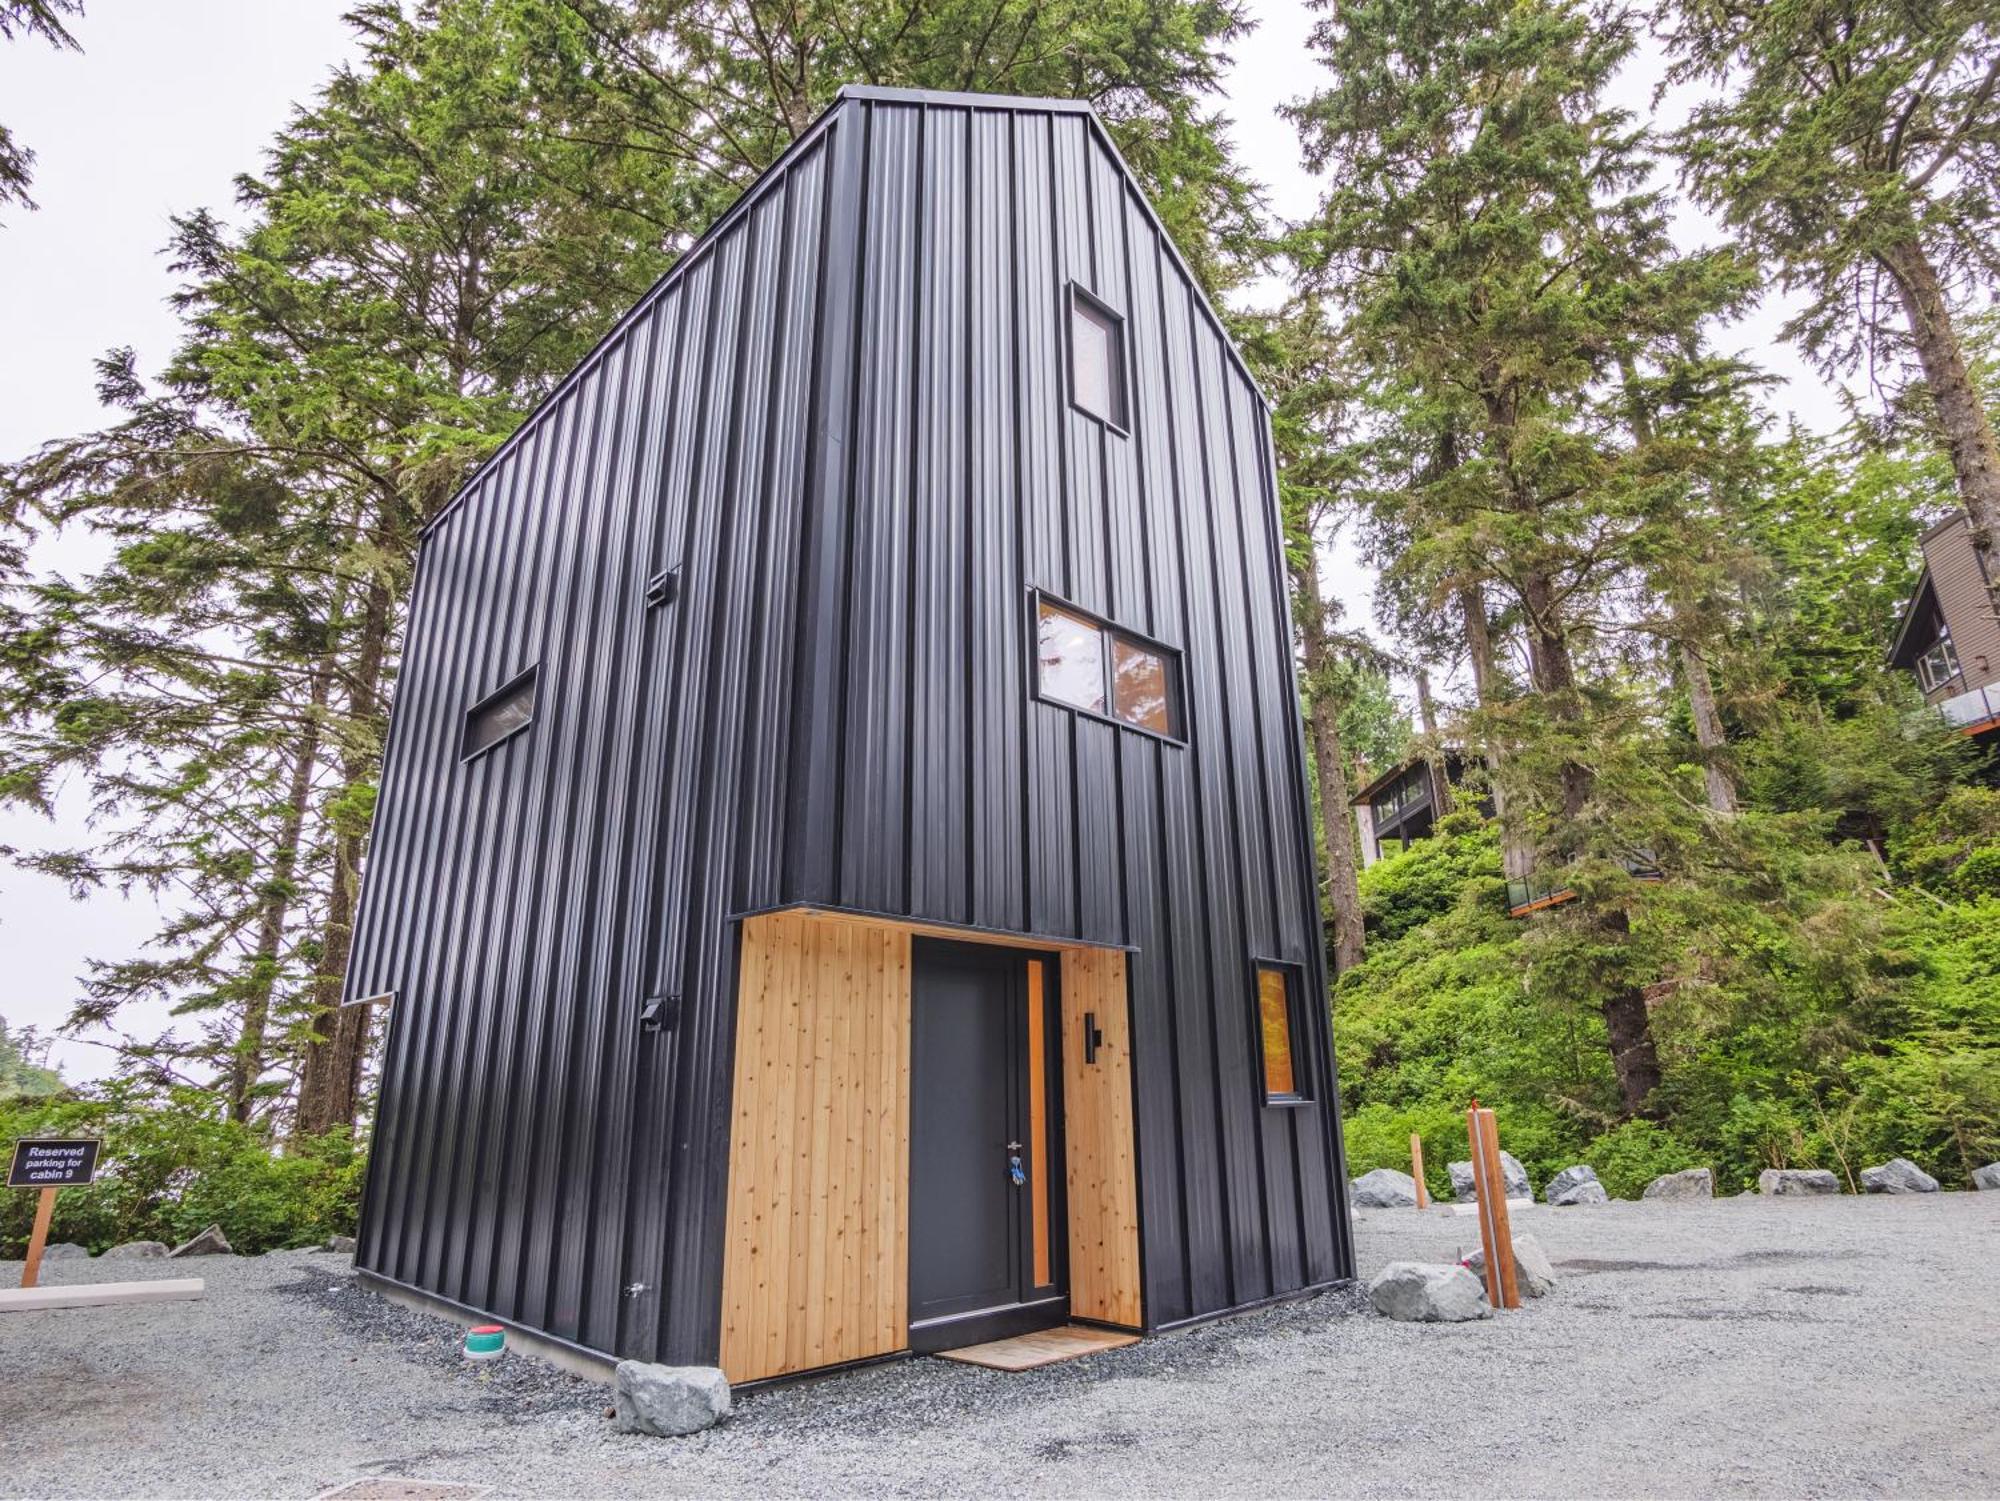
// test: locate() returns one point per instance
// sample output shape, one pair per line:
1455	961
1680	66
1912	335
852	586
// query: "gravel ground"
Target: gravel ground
1813	1347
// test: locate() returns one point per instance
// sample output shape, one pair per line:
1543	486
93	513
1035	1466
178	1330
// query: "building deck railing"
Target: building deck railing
1527	894
1972	713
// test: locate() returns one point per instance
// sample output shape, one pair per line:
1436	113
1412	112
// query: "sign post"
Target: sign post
49	1163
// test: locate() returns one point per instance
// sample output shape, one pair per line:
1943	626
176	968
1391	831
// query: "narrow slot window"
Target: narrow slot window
1096	358
1142	687
1070	658
1275	1015
499	715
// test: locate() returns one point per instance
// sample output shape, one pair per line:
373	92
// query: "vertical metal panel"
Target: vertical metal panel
997	848
845	420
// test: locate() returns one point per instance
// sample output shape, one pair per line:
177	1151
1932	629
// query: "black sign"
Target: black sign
53	1162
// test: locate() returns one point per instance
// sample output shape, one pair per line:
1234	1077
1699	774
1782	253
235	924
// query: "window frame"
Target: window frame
467	752
1304	1087
1175	658
1121	363
1948	669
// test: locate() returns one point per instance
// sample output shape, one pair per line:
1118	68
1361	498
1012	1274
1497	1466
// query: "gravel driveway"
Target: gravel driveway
1825	1347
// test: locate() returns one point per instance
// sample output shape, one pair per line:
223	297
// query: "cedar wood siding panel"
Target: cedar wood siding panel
939	789
844	419
1966	603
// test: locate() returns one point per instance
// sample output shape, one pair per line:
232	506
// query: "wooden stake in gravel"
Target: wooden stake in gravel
1495	1227
1417	1170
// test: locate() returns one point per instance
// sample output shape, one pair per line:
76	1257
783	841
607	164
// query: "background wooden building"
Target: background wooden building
1950	633
843	867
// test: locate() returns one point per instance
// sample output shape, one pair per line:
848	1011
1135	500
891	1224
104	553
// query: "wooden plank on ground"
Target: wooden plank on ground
1044	1347
95	1294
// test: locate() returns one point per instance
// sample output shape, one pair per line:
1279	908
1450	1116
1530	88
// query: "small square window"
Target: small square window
1142	691
500	714
1070	657
1096	358
1276	1012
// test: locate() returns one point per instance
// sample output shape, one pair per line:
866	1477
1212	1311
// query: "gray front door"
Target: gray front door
971	1193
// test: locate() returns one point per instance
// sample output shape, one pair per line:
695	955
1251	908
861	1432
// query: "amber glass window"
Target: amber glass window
500	714
1096	358
1274	1015
1141	686
1100	669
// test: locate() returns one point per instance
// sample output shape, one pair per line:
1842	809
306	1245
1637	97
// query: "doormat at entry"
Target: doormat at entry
1044	1347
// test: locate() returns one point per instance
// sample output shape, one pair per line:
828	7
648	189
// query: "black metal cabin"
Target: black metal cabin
843	876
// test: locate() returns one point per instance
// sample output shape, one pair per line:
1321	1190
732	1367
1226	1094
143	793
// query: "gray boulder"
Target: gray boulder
65	1250
1384	1188
137	1250
1692	1183
1575	1185
1534	1273
1987	1176
1794	1182
1463	1189
1422	1293
344	1244
211	1242
668	1400
1898	1175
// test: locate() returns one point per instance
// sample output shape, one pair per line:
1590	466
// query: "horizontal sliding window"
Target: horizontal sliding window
499	715
1092	665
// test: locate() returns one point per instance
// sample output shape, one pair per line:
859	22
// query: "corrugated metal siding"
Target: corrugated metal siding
844	418
536	1154
946	794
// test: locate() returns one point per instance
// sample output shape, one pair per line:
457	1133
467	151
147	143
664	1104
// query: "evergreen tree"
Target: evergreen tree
44	19
1511	276
1298	360
719	88
1857	148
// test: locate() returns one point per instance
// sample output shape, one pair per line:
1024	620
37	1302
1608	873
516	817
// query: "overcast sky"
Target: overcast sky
164	105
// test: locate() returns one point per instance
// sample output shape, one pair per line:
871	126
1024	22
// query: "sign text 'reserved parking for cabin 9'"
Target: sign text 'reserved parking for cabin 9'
48	1162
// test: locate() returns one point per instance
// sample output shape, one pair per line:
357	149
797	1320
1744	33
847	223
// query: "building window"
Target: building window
1937	666
505	712
1277	1014
1097	381
1103	670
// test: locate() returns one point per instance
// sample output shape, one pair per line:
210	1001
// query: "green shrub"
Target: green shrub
172	1164
1630	1156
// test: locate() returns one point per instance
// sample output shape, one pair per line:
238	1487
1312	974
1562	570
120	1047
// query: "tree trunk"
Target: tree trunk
1968	432
1434	756
1708	731
1516	858
330	1079
1330	764
246	1067
1628	1030
1700	685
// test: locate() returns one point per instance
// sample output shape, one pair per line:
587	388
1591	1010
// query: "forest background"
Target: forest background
1653	606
